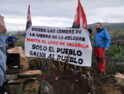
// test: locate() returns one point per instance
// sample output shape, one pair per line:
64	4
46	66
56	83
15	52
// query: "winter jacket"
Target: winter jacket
2	59
102	39
10	40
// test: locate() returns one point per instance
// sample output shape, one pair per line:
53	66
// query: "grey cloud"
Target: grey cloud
96	10
54	8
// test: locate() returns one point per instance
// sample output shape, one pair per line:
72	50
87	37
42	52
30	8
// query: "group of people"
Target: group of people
101	44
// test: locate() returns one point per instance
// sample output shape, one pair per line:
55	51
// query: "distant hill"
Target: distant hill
12	32
110	26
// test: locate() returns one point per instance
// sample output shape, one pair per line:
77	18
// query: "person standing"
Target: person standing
10	40
2	56
101	43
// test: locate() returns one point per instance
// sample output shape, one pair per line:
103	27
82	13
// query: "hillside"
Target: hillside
110	26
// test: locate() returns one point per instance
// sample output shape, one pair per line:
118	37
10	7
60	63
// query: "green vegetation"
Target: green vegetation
21	39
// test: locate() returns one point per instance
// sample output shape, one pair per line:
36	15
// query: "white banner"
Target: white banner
59	43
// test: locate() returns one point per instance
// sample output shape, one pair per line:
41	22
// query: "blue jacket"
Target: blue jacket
10	40
102	39
2	59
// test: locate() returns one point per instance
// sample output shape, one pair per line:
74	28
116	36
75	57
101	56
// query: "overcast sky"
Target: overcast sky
59	13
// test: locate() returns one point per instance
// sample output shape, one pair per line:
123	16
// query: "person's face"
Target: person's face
98	26
10	35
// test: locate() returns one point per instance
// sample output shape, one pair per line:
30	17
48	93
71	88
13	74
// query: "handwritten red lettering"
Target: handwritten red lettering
33	40
77	45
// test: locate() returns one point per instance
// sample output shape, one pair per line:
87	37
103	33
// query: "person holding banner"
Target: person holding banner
2	56
101	43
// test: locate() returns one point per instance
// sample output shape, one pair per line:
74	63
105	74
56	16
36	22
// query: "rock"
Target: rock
23	59
32	86
11	77
30	73
119	78
20	89
120	63
46	88
76	80
13	82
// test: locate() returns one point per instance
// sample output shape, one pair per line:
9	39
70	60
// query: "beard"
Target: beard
98	29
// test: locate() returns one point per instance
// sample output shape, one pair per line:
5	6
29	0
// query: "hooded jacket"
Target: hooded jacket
102	39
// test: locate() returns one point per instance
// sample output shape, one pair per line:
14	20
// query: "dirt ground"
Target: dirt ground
106	85
67	83
63	82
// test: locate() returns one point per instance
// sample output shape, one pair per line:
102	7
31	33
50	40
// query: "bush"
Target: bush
118	57
112	50
21	40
